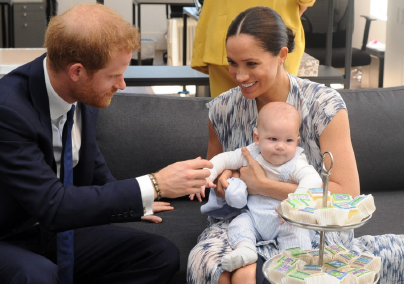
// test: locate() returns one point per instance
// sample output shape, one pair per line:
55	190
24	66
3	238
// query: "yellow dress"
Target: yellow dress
209	49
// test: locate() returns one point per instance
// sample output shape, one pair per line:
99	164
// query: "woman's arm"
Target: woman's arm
307	3
254	176
257	182
336	138
214	146
303	4
344	178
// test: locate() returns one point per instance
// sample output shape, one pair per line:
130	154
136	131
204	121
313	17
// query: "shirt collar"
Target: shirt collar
57	105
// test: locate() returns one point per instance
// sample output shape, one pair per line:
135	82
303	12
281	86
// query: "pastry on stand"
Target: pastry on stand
337	262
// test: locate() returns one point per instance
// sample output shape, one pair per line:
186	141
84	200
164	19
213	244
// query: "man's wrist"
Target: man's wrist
156	186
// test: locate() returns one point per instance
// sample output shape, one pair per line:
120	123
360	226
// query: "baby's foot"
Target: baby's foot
240	257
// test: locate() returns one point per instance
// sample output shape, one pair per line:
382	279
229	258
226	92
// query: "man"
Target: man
89	47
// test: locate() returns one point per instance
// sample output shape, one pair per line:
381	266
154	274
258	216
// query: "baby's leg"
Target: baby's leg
292	236
242	238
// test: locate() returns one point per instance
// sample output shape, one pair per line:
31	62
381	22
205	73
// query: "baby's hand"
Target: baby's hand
198	195
209	183
202	192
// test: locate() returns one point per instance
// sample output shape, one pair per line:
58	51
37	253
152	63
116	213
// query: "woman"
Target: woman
209	50
258	43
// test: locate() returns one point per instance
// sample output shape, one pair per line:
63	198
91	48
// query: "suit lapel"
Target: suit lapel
39	94
40	100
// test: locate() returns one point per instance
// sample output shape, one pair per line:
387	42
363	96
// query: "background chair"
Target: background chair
315	24
51	9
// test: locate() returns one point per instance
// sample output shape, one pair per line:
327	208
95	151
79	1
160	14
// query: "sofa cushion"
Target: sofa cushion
139	134
130	135
377	129
388	218
182	226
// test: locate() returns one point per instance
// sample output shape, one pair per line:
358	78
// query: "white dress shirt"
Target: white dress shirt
58	112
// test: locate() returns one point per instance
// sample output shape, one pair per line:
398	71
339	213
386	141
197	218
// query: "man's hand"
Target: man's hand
183	178
157	206
253	175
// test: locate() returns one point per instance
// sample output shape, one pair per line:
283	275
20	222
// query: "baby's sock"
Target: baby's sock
244	254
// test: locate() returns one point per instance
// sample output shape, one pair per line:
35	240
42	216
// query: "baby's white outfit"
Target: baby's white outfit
258	223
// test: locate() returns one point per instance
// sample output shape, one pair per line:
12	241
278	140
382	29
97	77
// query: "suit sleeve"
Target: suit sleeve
29	181
102	174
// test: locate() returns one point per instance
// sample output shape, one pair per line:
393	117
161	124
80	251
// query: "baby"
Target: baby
275	149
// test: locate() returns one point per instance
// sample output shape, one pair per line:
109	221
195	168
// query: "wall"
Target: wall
394	57
154	19
154	24
377	28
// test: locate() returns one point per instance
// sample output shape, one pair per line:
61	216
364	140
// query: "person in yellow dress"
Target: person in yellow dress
209	50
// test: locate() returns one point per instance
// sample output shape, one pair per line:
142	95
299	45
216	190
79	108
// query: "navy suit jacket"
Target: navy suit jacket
29	187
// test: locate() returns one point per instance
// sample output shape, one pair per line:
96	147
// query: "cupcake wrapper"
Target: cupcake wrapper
331	216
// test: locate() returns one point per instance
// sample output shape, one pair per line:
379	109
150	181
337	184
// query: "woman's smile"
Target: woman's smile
248	85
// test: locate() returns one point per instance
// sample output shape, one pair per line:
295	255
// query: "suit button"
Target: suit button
119	216
113	217
131	213
125	214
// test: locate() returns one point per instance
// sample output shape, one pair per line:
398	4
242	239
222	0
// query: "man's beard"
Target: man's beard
88	96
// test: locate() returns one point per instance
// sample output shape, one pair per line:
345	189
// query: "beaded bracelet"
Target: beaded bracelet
156	185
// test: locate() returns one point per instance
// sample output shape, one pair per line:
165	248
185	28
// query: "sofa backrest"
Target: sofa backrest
376	119
140	134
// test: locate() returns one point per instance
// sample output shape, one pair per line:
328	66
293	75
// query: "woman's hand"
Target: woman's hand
302	9
158	206
253	175
279	216
258	183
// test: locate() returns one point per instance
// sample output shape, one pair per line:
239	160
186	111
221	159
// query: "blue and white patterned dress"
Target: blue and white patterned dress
234	118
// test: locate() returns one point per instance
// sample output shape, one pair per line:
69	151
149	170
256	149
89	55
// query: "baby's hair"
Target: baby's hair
278	111
266	26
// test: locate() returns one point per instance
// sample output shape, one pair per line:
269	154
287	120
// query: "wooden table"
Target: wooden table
185	75
380	55
167	75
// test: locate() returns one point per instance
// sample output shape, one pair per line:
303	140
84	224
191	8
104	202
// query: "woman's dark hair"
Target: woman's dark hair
266	26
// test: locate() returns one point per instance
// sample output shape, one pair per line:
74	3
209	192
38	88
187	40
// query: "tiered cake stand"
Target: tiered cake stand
322	229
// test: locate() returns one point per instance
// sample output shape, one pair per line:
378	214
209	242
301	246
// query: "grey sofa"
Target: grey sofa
140	134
